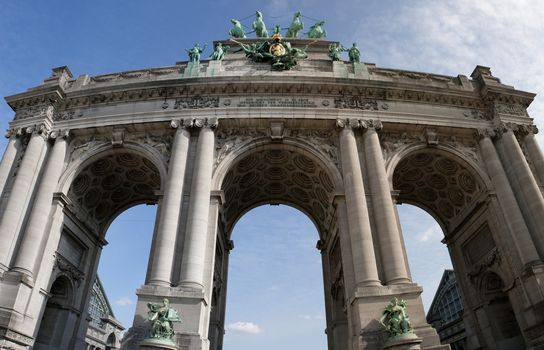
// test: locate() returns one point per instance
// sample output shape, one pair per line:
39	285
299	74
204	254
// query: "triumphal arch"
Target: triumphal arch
278	120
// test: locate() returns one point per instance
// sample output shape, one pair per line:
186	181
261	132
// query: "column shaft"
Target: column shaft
519	234
194	248
165	238
20	194
33	238
391	246
529	195
7	160
535	153
364	260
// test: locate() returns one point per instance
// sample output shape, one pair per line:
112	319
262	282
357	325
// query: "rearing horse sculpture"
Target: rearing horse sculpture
259	26
295	27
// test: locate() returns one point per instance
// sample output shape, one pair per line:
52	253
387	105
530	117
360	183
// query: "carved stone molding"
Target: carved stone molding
510	109
196	102
38	111
63	265
16	337
360	103
323	140
493	258
371	124
228	140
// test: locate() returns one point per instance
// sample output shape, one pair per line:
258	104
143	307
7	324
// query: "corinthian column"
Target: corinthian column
34	236
519	237
521	177
364	260
194	248
534	151
13	147
390	243
164	244
21	193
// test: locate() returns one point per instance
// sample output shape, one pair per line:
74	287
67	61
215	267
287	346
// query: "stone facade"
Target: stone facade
343	142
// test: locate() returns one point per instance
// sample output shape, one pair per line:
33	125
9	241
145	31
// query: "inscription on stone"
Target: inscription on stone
277	102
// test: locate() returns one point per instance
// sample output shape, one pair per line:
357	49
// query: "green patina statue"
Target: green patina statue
237	31
335	50
162	317
317	31
259	27
219	52
277	29
354	54
194	52
395	320
295	27
280	54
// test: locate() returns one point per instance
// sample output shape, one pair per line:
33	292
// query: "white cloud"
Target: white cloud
312	317
124	301
244	327
433	232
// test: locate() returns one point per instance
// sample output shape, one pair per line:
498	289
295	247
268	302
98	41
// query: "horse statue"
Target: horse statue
317	31
295	27
259	26
237	31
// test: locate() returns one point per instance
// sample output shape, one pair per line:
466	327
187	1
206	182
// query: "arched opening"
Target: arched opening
275	297
501	325
104	186
280	174
451	190
57	315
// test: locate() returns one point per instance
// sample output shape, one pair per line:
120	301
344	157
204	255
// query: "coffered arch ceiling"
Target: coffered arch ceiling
112	183
278	175
440	184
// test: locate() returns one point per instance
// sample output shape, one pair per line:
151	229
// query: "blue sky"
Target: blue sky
96	37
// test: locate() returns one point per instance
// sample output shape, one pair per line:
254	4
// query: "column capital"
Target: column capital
39	129
525	130
59	134
482	133
210	123
348	123
369	124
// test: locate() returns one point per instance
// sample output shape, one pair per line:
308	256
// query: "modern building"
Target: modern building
104	331
446	312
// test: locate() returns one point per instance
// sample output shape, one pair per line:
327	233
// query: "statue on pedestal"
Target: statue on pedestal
335	50
219	52
162	317
354	54
194	52
395	320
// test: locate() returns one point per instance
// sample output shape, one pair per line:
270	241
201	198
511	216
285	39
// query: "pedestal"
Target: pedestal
405	342
149	344
213	69
192	70
339	69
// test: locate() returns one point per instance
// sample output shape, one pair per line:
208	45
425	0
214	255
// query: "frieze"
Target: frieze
476	115
394	143
510	109
492	258
196	102
66	115
41	111
360	103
